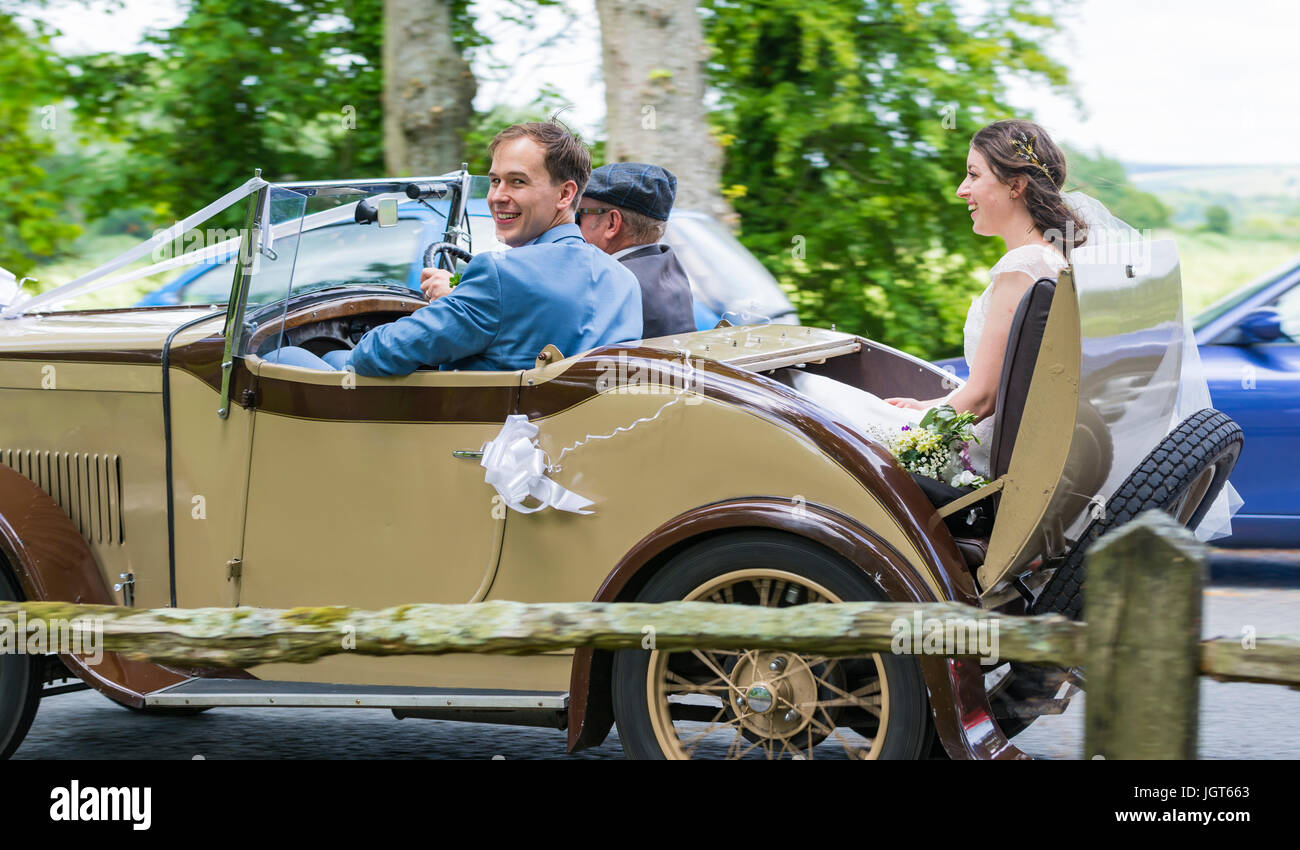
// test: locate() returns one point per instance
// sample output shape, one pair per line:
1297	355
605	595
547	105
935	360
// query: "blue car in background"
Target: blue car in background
726	280
1250	349
323	253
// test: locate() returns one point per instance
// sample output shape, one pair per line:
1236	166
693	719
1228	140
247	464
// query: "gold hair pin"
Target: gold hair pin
1025	148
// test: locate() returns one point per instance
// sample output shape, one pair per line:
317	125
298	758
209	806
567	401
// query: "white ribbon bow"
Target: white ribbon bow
516	468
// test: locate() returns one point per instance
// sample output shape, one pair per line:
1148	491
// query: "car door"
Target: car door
361	492
1258	384
366	492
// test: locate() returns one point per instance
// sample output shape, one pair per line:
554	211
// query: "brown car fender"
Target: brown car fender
962	715
53	563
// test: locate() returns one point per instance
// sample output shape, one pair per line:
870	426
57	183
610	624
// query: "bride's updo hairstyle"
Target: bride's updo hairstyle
1022	148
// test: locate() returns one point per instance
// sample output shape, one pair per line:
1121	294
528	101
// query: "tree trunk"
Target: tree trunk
653	58
428	89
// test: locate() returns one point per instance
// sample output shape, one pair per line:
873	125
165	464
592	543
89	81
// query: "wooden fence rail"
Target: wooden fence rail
1141	644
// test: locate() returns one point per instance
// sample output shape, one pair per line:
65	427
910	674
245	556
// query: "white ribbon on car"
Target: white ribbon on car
8	287
516	468
144	249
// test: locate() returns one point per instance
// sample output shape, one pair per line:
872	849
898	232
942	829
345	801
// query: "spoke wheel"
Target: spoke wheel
763	703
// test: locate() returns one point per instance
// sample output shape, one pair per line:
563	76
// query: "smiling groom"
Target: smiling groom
551	287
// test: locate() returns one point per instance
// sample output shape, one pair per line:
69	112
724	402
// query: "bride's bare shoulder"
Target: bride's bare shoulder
1036	259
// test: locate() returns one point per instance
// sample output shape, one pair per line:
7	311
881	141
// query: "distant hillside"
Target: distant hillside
1263	198
1235	180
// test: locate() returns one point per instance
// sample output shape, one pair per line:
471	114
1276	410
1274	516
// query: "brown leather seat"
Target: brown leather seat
1023	343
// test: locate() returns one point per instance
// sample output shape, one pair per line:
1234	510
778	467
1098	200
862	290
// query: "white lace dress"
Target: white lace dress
871	415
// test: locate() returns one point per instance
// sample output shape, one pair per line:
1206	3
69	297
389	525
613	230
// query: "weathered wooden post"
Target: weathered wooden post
1143	612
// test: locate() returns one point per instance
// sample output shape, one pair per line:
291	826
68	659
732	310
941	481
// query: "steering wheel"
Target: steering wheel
449	250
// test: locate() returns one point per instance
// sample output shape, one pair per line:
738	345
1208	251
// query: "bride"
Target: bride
1014	174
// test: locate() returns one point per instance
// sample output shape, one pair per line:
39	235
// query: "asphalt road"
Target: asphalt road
1238	721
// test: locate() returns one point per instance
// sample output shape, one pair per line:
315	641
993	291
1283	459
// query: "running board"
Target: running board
257	692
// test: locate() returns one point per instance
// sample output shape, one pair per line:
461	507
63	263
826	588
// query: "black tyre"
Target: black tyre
1181	476
21	680
760	703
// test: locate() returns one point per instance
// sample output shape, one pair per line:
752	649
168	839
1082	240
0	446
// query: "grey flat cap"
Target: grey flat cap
636	186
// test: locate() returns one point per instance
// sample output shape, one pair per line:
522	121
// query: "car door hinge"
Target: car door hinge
234	569
127	588
248	398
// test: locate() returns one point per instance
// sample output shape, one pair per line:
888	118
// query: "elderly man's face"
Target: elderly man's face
524	202
600	229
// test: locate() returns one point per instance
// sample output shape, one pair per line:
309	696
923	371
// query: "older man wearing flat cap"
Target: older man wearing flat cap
624	212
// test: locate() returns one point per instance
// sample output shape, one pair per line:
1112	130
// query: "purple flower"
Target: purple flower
907	427
965	457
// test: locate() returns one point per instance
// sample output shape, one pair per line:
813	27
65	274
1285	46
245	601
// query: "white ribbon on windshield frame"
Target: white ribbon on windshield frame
79	286
516	468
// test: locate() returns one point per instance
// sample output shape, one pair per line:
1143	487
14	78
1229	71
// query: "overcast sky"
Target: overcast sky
1164	81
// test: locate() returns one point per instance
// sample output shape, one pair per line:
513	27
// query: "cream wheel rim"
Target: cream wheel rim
765	703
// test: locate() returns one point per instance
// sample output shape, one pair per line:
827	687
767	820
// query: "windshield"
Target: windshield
725	276
194	261
338	247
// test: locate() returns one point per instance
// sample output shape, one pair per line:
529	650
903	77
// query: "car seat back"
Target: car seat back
1023	342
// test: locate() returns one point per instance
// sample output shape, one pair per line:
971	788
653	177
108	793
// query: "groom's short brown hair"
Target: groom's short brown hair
565	156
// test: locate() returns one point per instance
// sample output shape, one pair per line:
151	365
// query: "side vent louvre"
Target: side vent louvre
87	486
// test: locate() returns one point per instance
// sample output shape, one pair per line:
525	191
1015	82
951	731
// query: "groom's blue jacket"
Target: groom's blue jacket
556	289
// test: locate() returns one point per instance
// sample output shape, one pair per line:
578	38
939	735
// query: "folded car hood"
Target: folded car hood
759	348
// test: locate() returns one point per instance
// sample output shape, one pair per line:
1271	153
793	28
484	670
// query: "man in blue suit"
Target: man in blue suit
550	288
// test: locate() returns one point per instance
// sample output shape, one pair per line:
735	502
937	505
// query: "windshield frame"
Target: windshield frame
257	231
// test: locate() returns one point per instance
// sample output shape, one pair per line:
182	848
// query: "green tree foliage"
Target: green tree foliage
1104	179
549	104
847	125
238	85
33	217
1218	219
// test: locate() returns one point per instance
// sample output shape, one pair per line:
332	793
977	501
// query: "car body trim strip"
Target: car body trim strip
257	692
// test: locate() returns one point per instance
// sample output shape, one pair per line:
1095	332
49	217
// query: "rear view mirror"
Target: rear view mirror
1261	326
385	213
388	212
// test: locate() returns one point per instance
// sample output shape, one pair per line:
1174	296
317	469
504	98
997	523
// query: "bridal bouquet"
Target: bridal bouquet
936	448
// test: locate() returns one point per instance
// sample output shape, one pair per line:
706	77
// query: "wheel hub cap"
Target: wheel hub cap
773	693
759	698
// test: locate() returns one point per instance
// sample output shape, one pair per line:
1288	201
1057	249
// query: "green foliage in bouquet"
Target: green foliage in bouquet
936	448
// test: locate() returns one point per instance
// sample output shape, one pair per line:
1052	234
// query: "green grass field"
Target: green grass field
1213	265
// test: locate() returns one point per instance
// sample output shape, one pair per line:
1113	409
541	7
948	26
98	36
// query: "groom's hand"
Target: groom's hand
435	283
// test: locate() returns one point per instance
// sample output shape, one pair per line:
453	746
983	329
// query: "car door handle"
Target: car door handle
467	454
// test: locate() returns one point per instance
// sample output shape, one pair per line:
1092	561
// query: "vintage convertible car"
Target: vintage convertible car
152	457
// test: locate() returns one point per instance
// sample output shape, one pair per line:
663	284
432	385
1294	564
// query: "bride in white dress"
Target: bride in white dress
1012	188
